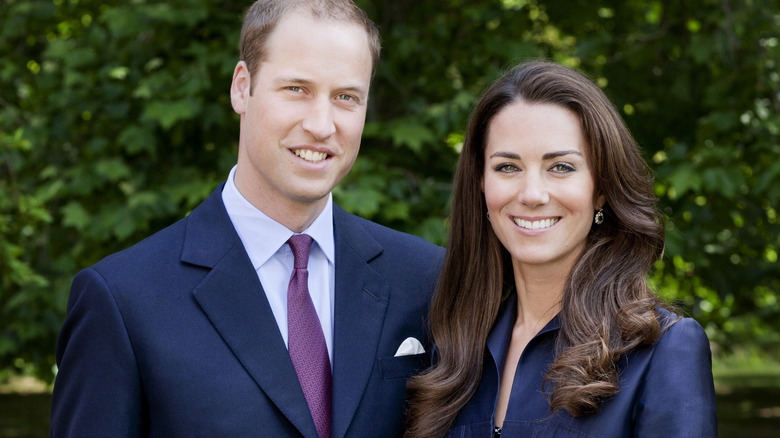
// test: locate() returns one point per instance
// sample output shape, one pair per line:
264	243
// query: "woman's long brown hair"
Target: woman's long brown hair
607	307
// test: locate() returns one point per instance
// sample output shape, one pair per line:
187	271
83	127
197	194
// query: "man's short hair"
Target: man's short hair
264	15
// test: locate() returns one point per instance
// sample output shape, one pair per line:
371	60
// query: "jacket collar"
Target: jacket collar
232	298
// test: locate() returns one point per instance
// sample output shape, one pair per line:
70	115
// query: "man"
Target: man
221	325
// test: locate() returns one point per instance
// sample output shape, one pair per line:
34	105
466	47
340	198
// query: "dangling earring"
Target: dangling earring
599	218
488	216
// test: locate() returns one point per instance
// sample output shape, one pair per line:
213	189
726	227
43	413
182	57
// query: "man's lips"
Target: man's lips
310	155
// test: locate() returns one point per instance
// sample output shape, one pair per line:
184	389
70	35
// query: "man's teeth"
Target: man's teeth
535	225
311	156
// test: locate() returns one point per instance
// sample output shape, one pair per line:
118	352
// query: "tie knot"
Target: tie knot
300	244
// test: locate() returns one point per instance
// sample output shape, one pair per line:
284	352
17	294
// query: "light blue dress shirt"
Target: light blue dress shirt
265	241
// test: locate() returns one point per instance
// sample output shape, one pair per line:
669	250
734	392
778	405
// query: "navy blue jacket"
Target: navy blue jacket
174	337
666	389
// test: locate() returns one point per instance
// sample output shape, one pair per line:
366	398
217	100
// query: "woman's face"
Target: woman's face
538	184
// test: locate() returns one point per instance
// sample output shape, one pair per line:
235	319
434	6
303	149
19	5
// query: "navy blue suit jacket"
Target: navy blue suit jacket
174	337
666	389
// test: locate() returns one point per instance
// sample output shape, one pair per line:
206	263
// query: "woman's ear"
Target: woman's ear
600	201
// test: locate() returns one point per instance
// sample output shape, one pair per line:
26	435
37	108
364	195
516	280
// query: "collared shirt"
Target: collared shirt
666	389
265	241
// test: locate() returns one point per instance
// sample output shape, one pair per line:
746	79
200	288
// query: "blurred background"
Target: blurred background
115	121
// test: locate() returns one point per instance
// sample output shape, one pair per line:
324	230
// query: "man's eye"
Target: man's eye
346	97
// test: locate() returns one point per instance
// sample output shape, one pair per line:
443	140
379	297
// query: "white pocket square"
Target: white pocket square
410	346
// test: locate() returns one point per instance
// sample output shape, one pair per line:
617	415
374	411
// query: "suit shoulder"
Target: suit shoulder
164	245
394	239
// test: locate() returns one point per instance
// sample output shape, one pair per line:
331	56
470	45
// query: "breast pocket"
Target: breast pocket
403	367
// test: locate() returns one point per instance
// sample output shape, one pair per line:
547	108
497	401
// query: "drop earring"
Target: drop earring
599	218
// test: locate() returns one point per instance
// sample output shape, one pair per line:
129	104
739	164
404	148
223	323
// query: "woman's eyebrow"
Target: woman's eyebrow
551	155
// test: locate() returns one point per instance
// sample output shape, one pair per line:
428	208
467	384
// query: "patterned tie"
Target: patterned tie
306	342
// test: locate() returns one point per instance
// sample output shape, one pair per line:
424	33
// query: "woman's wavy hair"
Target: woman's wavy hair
607	306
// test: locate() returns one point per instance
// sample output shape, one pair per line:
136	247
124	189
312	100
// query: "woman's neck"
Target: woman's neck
539	294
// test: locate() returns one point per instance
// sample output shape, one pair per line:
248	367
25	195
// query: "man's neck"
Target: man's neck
294	215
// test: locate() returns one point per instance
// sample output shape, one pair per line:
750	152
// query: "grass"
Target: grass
24	415
748	397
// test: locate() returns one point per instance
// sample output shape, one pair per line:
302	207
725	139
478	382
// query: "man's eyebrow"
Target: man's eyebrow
357	89
292	80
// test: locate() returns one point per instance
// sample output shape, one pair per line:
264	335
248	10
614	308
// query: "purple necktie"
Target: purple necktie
305	341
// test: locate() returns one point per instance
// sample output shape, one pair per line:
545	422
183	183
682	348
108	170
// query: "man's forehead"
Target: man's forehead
306	42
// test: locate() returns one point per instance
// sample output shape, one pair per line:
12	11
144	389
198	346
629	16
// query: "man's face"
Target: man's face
302	123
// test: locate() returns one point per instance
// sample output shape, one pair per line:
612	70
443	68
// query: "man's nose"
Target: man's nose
319	120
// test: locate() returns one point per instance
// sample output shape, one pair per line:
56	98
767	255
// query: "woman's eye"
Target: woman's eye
294	89
563	168
506	168
346	97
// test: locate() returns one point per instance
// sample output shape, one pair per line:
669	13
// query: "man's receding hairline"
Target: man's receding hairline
319	19
318	11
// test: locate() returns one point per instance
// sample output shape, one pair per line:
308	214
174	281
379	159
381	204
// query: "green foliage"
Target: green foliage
115	121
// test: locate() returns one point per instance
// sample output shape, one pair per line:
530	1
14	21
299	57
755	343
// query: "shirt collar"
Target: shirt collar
262	236
501	333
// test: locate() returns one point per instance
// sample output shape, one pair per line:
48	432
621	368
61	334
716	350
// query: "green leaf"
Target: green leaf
724	181
112	169
136	139
685	178
168	113
74	215
364	203
410	133
396	211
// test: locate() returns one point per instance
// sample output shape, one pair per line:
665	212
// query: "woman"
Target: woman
543	319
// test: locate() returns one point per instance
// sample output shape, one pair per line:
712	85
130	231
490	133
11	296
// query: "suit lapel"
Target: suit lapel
233	299
360	306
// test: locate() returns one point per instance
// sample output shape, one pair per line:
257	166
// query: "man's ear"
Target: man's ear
240	87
